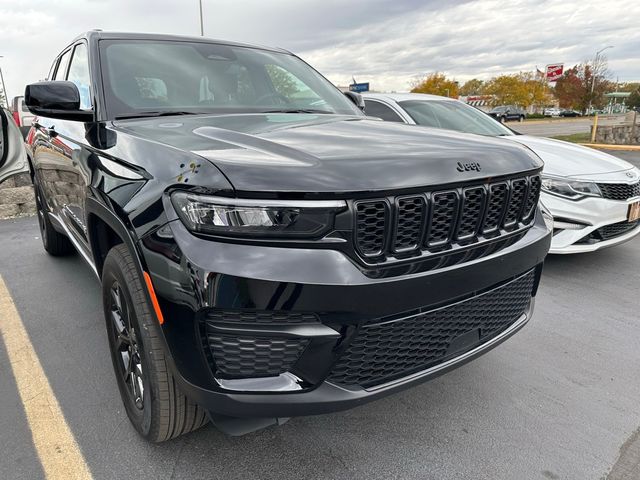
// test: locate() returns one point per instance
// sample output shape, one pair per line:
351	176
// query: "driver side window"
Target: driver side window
79	74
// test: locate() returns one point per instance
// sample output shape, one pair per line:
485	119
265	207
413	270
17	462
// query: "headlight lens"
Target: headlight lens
256	218
570	189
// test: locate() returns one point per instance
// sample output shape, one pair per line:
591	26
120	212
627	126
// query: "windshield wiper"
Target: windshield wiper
298	110
164	113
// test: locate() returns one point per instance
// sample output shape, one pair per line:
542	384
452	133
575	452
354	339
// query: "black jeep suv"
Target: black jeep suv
265	249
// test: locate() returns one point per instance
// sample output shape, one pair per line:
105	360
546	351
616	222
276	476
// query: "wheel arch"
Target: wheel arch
105	230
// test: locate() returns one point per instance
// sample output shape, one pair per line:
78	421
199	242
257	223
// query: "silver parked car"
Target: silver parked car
594	197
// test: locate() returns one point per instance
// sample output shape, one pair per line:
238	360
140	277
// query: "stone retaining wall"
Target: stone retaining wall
16	196
618	134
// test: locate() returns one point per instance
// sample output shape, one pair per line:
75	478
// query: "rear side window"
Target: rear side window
62	66
377	109
79	74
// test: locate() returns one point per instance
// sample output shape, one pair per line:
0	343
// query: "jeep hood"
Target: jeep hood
331	153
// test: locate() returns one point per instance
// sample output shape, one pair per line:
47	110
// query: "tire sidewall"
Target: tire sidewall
141	419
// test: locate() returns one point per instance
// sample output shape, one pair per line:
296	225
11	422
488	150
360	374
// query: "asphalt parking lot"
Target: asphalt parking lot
557	401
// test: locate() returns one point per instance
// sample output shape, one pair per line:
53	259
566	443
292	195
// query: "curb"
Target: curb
605	146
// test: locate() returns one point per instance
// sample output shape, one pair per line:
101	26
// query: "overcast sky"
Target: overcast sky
385	42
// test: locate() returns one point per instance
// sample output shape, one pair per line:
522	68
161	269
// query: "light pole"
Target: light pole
201	21
4	88
593	74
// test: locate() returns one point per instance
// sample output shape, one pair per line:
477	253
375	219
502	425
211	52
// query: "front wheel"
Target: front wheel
503	119
155	405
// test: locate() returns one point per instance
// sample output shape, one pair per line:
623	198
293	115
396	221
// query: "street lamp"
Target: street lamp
201	21
4	88
593	82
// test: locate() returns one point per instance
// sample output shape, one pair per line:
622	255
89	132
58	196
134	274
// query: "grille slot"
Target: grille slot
372	218
409	223
619	191
532	197
498	194
472	206
518	191
442	221
383	351
443	217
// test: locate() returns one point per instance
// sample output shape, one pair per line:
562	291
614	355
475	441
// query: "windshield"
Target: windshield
453	115
147	77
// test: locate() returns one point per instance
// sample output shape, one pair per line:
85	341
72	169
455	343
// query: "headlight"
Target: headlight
256	218
570	189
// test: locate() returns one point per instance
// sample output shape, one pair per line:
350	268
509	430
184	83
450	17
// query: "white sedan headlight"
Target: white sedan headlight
571	189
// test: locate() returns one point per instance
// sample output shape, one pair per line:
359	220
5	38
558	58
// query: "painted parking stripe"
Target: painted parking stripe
57	449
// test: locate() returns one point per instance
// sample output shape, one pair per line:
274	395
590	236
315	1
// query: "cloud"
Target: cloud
386	42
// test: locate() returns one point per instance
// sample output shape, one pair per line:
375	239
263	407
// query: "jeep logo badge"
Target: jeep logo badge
467	167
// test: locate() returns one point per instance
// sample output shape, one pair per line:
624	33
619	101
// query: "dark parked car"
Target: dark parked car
505	113
570	113
265	249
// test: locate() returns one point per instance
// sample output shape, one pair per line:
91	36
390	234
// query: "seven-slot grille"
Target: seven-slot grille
437	220
619	191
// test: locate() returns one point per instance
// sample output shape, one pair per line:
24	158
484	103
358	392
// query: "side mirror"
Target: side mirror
56	100
356	98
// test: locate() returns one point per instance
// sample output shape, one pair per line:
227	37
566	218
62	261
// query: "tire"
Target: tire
521	118
157	408
54	242
503	119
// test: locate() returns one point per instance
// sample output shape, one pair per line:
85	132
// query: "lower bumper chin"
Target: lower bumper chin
583	244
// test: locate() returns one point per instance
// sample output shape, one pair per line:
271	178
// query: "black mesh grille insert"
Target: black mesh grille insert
472	205
443	216
612	231
258	316
619	191
498	194
384	351
249	357
518	191
370	227
411	213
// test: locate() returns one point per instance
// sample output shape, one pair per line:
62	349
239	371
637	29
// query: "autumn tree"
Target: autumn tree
583	85
570	90
522	89
472	87
436	84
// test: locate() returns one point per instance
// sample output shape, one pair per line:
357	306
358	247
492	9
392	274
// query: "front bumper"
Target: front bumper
197	279
589	215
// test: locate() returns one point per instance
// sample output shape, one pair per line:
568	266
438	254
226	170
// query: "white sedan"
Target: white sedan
594	197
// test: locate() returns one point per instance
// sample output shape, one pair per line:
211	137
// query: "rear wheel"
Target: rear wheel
155	405
521	118
54	243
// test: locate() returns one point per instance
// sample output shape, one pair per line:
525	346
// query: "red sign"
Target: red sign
554	72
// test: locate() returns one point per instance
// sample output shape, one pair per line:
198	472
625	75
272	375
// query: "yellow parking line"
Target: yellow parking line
57	449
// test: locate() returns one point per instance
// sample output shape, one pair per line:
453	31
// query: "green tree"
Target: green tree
436	84
634	99
283	82
472	87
